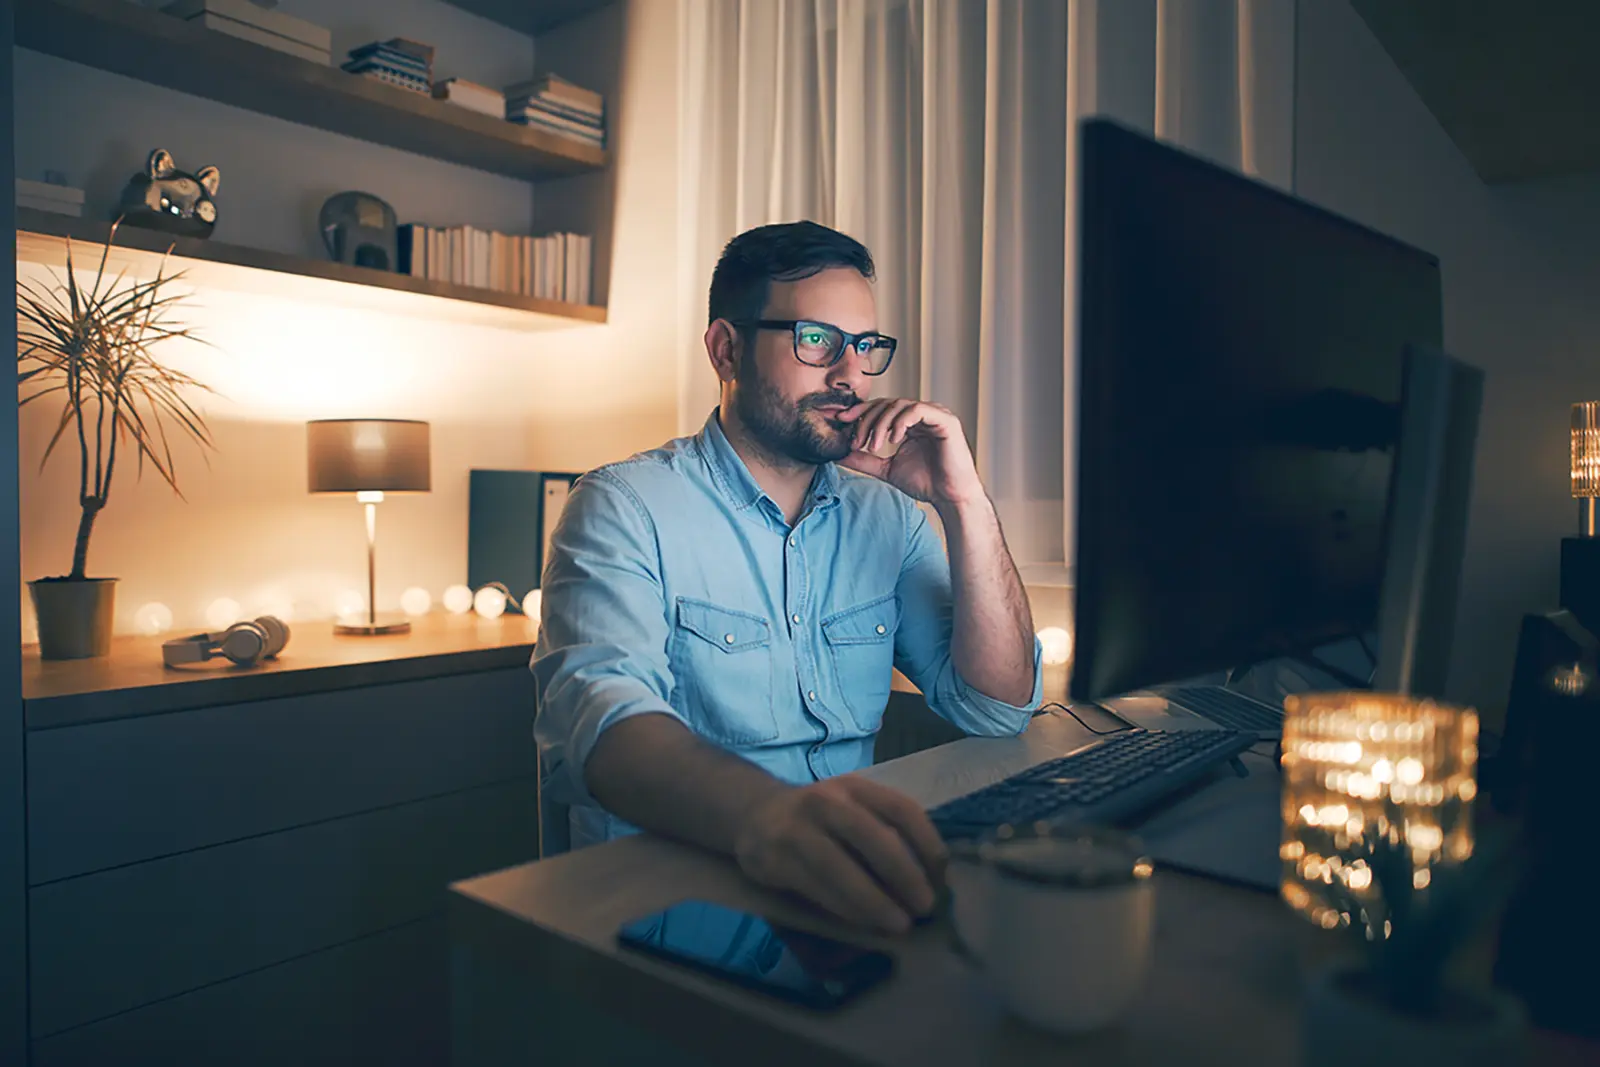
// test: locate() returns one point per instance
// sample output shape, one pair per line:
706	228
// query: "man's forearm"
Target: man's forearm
654	772
992	643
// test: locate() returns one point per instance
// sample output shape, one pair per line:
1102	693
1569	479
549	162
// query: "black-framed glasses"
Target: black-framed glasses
822	344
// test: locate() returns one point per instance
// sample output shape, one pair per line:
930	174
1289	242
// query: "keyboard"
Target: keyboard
1230	710
1117	777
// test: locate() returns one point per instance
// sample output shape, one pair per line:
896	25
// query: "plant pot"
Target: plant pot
74	616
1345	1022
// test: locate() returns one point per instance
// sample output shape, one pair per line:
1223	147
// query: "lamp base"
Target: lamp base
361	627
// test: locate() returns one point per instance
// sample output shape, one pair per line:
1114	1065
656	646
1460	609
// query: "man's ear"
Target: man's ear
722	346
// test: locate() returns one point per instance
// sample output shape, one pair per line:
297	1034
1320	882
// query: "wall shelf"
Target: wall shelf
42	238
123	38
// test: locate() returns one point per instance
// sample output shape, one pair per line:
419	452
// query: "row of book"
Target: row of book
555	104
58	197
250	21
397	61
548	102
554	266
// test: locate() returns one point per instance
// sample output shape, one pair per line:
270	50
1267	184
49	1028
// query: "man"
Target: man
721	614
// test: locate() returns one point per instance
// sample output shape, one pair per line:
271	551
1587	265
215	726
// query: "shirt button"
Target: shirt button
793	541
728	638
794	619
881	628
811	695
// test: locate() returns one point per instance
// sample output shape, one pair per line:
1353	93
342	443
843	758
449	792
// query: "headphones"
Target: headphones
244	643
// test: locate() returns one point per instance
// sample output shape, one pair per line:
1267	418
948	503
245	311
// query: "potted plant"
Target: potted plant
91	350
1393	1001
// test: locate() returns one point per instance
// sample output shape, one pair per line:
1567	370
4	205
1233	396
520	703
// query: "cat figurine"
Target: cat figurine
168	199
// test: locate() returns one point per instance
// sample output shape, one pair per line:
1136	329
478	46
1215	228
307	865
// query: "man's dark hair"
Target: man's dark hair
781	252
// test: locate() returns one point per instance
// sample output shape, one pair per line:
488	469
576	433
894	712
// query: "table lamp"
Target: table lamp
1580	556
1361	767
368	457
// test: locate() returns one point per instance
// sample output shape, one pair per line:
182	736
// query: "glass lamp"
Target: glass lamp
1580	555
368	457
1362	766
1586	462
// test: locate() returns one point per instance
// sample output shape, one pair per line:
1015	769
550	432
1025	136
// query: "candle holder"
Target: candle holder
1362	769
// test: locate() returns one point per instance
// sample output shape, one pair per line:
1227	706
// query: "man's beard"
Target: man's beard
783	431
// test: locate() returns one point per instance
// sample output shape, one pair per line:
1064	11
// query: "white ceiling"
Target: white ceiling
1515	83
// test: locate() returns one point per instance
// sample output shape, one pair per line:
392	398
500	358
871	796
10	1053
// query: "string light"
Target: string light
153	619
223	612
489	602
349	603
1056	645
416	601
458	600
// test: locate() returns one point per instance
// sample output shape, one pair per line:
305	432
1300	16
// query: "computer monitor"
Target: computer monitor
1243	365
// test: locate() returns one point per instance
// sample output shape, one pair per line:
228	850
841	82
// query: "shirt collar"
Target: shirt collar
728	470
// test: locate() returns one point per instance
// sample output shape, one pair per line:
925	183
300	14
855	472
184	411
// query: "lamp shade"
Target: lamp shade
1586	449
367	455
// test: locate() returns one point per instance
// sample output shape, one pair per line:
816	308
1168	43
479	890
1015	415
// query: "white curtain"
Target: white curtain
939	133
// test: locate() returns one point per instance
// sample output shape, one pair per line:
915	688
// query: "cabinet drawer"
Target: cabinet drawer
381	1000
120	792
117	939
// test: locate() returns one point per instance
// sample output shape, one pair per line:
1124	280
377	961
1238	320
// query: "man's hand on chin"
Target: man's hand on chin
916	447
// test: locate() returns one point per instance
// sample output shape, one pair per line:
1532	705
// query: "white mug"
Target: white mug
1059	918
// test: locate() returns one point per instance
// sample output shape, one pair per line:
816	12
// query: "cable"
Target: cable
1121	729
1274	755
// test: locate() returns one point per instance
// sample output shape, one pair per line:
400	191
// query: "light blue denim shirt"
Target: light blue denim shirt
675	586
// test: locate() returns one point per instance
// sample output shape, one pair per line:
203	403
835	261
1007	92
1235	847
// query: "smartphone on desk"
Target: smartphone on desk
759	954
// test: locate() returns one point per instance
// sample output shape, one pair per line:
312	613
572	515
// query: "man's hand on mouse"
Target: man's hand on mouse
861	850
916	447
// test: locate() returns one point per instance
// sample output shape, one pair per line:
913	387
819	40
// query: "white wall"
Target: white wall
496	398
1521	274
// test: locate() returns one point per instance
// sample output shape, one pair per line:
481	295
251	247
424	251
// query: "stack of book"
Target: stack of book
471	95
47	196
552	267
555	104
252	22
397	61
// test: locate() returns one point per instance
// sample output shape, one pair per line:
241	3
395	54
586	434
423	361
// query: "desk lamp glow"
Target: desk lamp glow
368	457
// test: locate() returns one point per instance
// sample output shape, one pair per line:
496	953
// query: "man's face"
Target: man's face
788	407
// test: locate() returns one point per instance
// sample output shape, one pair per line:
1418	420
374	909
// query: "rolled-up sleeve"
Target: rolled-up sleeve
922	644
601	655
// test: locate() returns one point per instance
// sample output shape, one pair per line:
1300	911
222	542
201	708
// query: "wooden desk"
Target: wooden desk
538	978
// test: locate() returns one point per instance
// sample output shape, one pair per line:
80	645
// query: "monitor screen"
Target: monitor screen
1240	359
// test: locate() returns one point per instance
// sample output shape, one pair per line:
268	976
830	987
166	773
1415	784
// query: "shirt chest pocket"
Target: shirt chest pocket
860	644
722	672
